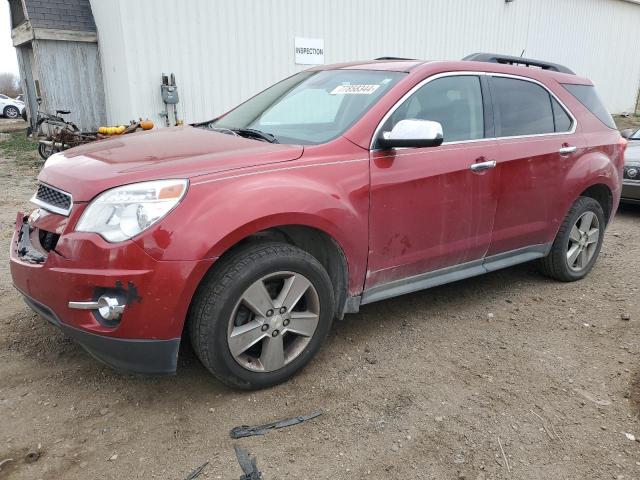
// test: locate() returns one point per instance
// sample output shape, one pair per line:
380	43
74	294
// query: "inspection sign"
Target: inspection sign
309	51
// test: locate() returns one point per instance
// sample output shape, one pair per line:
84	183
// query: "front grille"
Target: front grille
632	173
52	199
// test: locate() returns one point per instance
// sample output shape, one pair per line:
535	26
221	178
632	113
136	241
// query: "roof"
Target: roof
455	65
388	65
61	14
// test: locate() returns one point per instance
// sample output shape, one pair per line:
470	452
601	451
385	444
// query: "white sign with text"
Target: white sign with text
309	51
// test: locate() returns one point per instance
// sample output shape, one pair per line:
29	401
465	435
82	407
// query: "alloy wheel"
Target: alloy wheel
583	241
12	112
274	321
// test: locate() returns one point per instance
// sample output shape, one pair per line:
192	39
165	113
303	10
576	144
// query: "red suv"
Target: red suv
339	186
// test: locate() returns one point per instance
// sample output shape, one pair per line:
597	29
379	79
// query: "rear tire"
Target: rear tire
234	327
578	242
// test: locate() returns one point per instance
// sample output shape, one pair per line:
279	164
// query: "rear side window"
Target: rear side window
561	118
453	101
521	108
588	96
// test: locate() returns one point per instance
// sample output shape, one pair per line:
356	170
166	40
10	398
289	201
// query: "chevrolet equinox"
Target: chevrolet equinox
339	186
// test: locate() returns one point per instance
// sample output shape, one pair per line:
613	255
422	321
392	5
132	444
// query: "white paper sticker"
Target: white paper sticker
354	89
309	51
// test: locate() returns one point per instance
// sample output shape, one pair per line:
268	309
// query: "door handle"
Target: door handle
482	166
567	150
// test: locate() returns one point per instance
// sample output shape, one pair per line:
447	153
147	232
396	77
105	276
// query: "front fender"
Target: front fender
219	212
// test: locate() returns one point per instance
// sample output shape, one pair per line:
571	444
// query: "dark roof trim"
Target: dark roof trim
393	58
510	60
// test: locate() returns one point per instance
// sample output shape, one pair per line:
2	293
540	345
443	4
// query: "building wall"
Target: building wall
222	52
25	64
70	78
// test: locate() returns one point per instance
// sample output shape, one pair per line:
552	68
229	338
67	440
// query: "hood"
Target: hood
632	153
177	152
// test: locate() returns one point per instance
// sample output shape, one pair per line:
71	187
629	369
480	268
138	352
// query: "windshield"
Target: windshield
310	107
635	135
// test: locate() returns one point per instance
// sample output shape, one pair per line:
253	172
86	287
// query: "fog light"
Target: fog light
108	308
632	172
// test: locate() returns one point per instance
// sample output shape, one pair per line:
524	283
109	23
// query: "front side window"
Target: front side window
521	108
455	102
311	107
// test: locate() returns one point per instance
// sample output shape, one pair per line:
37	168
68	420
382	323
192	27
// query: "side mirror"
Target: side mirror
627	132
412	133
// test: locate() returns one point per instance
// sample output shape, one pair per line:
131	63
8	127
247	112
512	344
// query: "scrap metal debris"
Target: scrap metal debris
248	464
248	431
196	473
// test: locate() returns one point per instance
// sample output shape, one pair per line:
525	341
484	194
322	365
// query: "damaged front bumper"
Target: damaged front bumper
52	267
147	357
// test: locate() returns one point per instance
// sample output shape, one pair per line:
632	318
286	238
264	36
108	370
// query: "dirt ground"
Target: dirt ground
628	121
505	376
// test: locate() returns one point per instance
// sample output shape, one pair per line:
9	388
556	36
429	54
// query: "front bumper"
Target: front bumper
147	357
82	267
630	191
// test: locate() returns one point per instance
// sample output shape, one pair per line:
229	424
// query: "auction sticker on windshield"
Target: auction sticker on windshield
354	89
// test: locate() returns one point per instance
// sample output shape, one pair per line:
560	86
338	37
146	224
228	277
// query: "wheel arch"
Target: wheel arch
319	242
601	193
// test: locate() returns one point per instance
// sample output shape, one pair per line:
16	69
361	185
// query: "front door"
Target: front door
433	208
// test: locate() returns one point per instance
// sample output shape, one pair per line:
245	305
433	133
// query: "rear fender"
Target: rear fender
596	167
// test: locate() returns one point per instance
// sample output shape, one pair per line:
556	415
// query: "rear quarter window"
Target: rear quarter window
587	95
561	118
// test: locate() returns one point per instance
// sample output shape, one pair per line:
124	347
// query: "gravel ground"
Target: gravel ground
509	375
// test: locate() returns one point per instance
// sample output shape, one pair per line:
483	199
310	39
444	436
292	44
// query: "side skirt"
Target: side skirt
448	275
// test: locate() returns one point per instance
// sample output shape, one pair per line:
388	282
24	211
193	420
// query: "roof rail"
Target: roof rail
393	58
509	60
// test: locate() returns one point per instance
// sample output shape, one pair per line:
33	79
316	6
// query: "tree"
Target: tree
10	84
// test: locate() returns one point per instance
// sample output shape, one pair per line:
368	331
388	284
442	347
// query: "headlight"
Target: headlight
123	212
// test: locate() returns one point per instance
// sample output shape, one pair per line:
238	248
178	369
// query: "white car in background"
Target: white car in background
10	107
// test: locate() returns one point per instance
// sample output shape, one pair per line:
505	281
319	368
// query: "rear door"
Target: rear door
537	144
433	207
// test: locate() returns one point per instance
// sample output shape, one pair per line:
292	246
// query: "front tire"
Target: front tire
578	242
261	314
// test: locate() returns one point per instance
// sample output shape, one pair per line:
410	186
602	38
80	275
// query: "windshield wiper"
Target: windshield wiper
252	132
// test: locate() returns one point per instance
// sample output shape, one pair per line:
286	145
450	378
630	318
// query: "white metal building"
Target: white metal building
225	51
